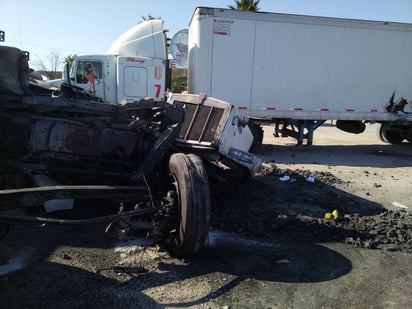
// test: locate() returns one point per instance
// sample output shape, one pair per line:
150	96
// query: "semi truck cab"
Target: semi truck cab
133	68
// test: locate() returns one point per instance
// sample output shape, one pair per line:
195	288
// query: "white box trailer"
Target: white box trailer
305	68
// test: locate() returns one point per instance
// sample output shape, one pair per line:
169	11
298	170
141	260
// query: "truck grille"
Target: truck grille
201	123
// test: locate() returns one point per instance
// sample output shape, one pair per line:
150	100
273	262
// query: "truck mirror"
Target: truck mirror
26	55
2	36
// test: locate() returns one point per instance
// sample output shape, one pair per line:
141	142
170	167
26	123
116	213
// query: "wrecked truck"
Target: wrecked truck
144	160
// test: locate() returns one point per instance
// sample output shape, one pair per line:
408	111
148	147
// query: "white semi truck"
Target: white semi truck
304	70
296	71
133	68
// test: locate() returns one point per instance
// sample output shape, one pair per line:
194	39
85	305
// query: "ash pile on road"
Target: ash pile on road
265	207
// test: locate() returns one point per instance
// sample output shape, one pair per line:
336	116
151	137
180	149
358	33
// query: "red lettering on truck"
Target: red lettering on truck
158	88
158	73
131	59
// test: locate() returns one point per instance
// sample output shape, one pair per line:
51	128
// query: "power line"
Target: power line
51	48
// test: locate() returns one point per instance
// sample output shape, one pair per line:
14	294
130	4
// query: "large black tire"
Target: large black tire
14	71
24	72
190	183
389	135
409	135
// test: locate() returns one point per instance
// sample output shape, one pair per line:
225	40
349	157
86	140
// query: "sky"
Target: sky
43	27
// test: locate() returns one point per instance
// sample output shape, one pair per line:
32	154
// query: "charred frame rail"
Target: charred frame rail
26	197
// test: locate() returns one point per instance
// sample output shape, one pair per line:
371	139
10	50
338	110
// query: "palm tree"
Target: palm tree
69	61
245	5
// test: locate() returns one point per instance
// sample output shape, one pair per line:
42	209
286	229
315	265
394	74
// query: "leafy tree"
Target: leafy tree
179	84
245	5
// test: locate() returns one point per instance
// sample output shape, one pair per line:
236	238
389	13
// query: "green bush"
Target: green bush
179	84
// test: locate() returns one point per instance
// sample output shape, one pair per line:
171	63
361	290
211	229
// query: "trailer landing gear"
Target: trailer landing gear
299	129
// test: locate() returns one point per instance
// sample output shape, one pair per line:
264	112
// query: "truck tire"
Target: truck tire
390	135
14	71
24	72
189	181
409	135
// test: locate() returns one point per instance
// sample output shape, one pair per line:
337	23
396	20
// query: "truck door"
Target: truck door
140	78
89	76
135	81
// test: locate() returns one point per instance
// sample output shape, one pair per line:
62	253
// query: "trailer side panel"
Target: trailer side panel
301	67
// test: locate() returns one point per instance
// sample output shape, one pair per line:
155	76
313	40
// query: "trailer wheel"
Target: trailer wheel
390	135
189	183
409	135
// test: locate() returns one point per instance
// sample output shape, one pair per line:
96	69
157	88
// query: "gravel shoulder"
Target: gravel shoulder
269	244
